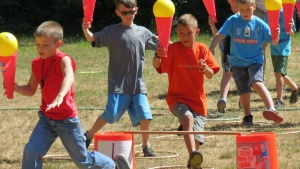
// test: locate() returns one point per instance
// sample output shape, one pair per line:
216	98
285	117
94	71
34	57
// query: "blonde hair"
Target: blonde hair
50	28
188	20
252	2
126	3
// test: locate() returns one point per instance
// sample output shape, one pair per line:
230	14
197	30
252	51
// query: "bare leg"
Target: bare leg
279	85
189	139
264	94
99	124
245	102
145	125
225	84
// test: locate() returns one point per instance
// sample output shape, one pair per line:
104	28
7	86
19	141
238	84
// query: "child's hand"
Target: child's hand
86	25
291	32
160	51
203	65
211	21
56	103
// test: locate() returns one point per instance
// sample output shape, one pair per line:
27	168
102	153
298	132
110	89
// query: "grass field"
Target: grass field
19	115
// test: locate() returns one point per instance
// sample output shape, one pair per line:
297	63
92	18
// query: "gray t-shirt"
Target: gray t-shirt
126	47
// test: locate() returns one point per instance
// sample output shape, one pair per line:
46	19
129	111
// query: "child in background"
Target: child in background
224	45
279	54
58	117
187	63
248	33
126	44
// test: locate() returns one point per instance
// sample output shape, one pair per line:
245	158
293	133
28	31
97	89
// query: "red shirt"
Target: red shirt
186	82
50	70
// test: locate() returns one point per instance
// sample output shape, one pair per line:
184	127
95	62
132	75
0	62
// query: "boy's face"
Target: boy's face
232	4
126	14
187	35
246	10
46	46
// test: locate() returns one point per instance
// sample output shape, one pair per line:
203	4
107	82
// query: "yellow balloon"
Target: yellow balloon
288	1
8	44
164	8
273	4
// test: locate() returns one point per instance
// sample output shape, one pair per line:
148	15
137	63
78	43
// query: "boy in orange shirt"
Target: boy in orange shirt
186	64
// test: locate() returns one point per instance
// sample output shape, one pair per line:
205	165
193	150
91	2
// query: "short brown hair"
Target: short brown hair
50	28
126	3
252	2
188	20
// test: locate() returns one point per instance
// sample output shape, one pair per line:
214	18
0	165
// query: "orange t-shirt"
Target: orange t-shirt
186	82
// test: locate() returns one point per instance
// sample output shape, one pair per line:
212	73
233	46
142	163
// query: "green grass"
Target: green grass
19	115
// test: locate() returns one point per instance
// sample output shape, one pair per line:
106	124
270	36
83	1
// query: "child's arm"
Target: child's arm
217	39
156	59
209	73
67	82
87	33
29	89
212	25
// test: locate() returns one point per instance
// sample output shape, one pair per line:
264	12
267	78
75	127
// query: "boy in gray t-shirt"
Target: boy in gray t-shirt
126	44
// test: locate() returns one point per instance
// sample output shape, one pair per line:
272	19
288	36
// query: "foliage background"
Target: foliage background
23	16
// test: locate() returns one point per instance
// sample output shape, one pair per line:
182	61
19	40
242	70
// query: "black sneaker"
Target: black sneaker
87	141
221	106
195	160
294	97
248	120
278	104
148	152
121	162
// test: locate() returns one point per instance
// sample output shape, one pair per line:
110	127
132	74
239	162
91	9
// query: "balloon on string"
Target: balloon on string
273	11
8	44
164	11
288	12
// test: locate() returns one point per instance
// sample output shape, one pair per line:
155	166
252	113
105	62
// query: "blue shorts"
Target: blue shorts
137	106
181	110
245	76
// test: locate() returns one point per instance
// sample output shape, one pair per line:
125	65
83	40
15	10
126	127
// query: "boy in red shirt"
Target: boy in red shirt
54	72
187	63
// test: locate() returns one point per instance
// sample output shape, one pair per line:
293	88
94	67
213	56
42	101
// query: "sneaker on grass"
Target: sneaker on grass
278	104
272	115
221	106
148	152
195	160
248	120
294	97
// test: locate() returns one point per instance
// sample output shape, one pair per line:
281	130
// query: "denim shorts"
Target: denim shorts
137	106
181	110
280	64
245	76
